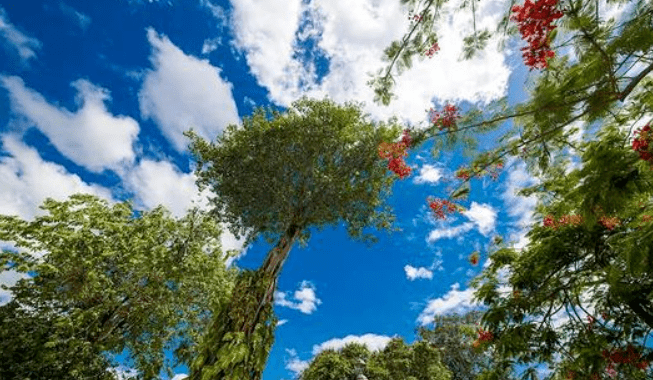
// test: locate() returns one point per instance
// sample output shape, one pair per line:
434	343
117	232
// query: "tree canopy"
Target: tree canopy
102	278
397	361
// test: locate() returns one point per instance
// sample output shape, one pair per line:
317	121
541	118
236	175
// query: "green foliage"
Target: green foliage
397	361
314	165
575	273
103	280
454	336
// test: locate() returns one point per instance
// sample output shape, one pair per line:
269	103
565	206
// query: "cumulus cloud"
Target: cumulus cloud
267	43
373	342
184	92
91	136
25	46
413	273
27	180
454	301
305	299
160	183
294	364
428	174
351	34
483	216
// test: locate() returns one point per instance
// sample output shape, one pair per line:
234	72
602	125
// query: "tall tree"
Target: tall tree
582	290
276	176
102	278
397	361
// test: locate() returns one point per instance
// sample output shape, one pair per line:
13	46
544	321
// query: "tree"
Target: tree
397	361
278	175
101	279
582	290
591	253
457	339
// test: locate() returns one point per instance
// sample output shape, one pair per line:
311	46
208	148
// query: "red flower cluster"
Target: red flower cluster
464	174
432	50
574	220
534	19
641	144
628	356
446	119
395	153
474	258
609	222
485	336
440	206
417	18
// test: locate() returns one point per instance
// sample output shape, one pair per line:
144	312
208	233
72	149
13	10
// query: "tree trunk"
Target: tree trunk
238	342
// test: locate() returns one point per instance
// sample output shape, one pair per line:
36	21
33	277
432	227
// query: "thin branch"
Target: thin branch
634	82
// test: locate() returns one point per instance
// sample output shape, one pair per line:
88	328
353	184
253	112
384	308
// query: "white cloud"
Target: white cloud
160	183
80	18
91	136
267	42
305	299
483	216
352	34
449	232
179	376
24	45
27	181
454	301
184	92
282	322
518	207
413	273
428	174
210	45
373	342
294	364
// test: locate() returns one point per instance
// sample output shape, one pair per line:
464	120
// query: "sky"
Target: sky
95	96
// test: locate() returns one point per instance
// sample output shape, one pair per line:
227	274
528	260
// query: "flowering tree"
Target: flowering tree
579	296
275	177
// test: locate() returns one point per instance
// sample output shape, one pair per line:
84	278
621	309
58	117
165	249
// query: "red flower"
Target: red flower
445	119
641	144
395	154
609	222
485	336
549	221
464	174
432	50
535	20
474	258
440	206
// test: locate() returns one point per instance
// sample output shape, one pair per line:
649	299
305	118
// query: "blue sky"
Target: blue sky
95	95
